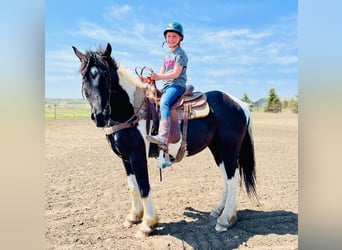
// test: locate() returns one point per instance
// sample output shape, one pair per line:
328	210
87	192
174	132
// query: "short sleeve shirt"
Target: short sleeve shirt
173	58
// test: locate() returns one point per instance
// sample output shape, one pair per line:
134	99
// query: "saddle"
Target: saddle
191	105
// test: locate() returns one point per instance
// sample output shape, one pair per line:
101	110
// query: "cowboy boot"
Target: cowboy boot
163	133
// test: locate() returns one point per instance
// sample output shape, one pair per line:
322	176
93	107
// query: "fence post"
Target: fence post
55	105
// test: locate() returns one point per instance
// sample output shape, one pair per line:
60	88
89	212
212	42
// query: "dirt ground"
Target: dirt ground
87	197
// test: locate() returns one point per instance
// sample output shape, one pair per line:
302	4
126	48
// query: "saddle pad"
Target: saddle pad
198	111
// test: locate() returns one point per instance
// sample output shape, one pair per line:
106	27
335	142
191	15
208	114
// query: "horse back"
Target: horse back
228	109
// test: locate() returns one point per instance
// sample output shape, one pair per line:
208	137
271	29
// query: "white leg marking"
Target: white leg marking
150	219
217	210
137	210
229	215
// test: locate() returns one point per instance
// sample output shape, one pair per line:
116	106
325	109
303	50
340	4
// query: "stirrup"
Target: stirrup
152	139
164	162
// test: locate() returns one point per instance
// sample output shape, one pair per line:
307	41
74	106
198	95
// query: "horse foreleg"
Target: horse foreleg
137	209
229	215
150	219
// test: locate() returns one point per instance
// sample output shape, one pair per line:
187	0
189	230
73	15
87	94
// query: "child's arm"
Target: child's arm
165	76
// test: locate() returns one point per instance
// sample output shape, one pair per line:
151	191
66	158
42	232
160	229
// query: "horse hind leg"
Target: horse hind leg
228	216
217	210
215	150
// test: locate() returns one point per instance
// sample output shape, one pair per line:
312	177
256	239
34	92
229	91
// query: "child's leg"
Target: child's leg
169	96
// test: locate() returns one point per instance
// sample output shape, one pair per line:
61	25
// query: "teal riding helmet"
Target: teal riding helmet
175	27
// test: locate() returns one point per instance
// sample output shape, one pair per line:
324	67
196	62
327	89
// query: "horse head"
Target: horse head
99	74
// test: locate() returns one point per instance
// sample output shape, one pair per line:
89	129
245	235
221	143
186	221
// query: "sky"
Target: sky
239	47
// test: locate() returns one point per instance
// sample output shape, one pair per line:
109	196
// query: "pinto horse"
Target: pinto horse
227	131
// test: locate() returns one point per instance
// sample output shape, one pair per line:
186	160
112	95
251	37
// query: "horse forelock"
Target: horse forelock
89	60
127	80
95	57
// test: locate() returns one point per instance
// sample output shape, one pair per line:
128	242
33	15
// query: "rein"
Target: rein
135	118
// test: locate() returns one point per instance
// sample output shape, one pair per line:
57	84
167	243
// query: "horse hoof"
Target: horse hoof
144	228
220	228
223	225
127	223
133	218
141	235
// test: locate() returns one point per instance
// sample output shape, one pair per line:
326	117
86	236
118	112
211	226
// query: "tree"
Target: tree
290	104
285	104
245	98
294	104
273	102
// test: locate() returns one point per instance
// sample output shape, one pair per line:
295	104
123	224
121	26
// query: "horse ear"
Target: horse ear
108	51
79	54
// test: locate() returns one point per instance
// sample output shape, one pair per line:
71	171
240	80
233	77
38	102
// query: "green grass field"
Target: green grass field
66	112
82	112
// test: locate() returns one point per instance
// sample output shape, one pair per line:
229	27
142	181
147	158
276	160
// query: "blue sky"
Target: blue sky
236	46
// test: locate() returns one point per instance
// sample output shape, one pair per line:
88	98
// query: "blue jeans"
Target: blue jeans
169	96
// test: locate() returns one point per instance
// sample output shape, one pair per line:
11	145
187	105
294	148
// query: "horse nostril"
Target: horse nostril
99	120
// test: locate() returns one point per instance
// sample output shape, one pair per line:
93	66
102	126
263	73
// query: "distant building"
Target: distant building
259	103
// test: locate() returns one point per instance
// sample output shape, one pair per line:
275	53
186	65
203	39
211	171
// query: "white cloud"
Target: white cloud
117	12
226	72
285	60
61	61
60	78
115	35
216	53
94	31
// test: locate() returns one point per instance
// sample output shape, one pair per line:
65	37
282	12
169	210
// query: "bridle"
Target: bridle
92	60
135	118
115	126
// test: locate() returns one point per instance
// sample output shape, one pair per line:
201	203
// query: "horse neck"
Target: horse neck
121	107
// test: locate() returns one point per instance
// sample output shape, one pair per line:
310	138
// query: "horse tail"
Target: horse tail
247	162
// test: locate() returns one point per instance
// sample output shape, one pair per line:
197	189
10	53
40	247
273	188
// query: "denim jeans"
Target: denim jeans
169	96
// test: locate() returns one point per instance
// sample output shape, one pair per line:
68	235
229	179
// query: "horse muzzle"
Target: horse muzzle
101	118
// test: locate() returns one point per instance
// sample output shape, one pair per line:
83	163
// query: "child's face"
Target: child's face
172	39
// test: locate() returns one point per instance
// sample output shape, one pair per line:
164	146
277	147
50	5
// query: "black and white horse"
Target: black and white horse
227	131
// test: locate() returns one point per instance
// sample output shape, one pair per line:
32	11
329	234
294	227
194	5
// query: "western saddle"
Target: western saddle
191	105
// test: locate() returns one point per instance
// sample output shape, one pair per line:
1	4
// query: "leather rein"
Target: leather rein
135	118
